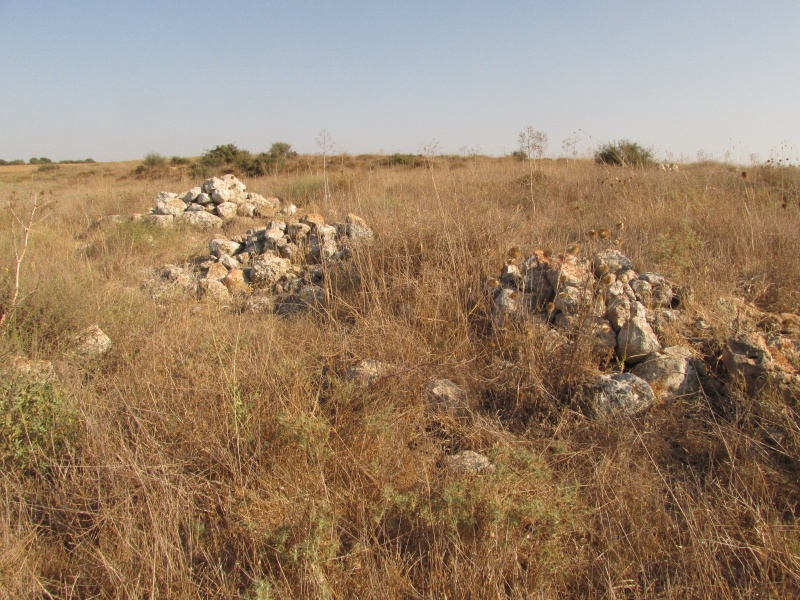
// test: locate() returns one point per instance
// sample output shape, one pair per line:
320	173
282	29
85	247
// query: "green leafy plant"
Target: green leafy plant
36	423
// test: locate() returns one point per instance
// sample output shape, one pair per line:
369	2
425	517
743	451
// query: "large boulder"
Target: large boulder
199	219
621	393
672	373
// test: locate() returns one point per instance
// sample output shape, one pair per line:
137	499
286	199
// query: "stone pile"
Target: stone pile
282	265
625	313
219	199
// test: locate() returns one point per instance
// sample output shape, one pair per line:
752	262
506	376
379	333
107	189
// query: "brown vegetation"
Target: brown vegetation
216	454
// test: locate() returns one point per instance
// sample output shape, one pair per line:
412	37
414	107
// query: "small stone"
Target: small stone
234	282
203	199
192	195
219	246
226	210
245	209
367	372
216	271
227	261
160	221
90	345
612	260
636	338
26	369
313	220
444	396
357	229
621	393
313	296
213	289
468	463
269	269
747	355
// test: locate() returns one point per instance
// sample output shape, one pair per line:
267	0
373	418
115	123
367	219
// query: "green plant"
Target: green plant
36	422
624	153
153	160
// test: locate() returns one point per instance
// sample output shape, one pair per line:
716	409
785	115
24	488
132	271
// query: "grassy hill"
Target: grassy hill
220	453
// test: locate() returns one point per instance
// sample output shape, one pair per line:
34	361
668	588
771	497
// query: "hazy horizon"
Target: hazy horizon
114	82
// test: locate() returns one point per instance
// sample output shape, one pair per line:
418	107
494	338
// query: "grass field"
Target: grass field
213	453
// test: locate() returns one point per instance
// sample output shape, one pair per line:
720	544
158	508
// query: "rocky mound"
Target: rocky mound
281	266
216	201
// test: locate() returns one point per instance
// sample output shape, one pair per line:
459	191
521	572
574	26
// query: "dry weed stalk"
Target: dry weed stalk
21	249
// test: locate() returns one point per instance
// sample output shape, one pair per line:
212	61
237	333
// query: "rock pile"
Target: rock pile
280	266
208	206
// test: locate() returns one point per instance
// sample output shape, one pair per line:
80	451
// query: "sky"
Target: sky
117	80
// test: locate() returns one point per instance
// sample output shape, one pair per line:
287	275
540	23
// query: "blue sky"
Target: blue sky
113	81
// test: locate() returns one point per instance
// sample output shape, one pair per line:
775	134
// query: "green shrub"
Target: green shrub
624	153
153	160
36	423
47	167
177	161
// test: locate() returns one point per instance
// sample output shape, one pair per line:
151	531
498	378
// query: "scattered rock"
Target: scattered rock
468	463
747	355
89	345
444	396
28	370
621	393
367	372
213	289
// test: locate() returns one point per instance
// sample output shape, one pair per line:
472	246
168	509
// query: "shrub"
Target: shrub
36	422
153	160
624	153
178	161
47	167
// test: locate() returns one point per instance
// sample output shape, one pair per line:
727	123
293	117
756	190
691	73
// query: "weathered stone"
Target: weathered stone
621	393
643	291
203	199
219	246
298	231
246	209
264	207
90	345
567	270
161	221
535	281
618	304
212	289
269	269
276	224
313	219
323	243
195	207
234	281
227	261
357	229
200	220
611	261
636	338
507	306
234	184
226	210
367	372
192	195
444	396
289	210
28	370
672	373
271	236
216	271
605	337
468	462
747	355
259	303
313	296
570	300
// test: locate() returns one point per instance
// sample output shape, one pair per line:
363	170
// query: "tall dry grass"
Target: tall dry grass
216	454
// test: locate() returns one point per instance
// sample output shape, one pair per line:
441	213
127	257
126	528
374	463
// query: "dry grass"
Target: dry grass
215	454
